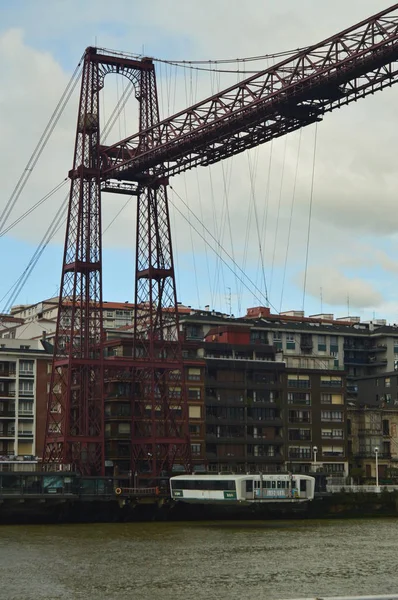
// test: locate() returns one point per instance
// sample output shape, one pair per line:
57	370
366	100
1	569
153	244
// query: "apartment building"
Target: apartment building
315	421
243	402
31	320
118	402
264	413
24	368
373	428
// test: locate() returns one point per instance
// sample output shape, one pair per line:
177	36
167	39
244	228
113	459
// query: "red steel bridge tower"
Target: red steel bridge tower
75	420
292	94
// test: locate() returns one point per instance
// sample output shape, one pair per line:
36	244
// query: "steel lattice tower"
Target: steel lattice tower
75	419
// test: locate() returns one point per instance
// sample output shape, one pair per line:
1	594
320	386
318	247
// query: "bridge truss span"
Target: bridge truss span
287	96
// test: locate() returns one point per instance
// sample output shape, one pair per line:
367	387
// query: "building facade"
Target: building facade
24	369
264	413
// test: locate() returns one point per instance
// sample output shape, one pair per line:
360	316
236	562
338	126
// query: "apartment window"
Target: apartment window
26	388
195	449
175	375
26	367
387	382
174	392
329	451
332	399
332	433
193	374
259	337
300	452
298	381
290	341
386	427
277	339
24	347
194	393
299	416
337	434
334	343
123	428
299	398
194	332
25	408
109	313
333	467
300	434
49	368
194	430
331	415
194	412
321	343
25	429
331	381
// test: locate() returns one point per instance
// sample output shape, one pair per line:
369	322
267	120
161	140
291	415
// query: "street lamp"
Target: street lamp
315	450
376	451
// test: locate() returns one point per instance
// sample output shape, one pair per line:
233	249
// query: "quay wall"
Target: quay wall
341	505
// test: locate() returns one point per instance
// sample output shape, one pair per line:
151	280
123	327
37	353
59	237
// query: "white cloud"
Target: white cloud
338	289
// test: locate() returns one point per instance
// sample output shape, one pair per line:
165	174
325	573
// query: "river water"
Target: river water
265	560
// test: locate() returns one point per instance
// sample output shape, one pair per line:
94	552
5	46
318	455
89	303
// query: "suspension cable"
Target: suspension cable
290	219
53	228
261	295
32	208
310	214
26	173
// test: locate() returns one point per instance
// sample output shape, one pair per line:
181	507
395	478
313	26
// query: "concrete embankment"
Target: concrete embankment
349	505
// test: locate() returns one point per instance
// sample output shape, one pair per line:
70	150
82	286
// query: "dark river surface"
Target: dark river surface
261	560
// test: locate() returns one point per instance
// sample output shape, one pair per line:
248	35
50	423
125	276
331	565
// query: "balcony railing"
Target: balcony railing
370	431
23	373
370	454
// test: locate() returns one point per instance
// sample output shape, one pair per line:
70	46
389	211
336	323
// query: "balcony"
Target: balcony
371	361
25	434
352	348
7	434
370	431
268	458
29	374
300	455
8	374
7	394
26	414
369	454
7	414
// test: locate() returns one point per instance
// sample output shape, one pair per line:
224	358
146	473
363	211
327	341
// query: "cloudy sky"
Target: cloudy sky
258	200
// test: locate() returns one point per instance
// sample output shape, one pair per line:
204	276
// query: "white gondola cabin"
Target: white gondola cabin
242	489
